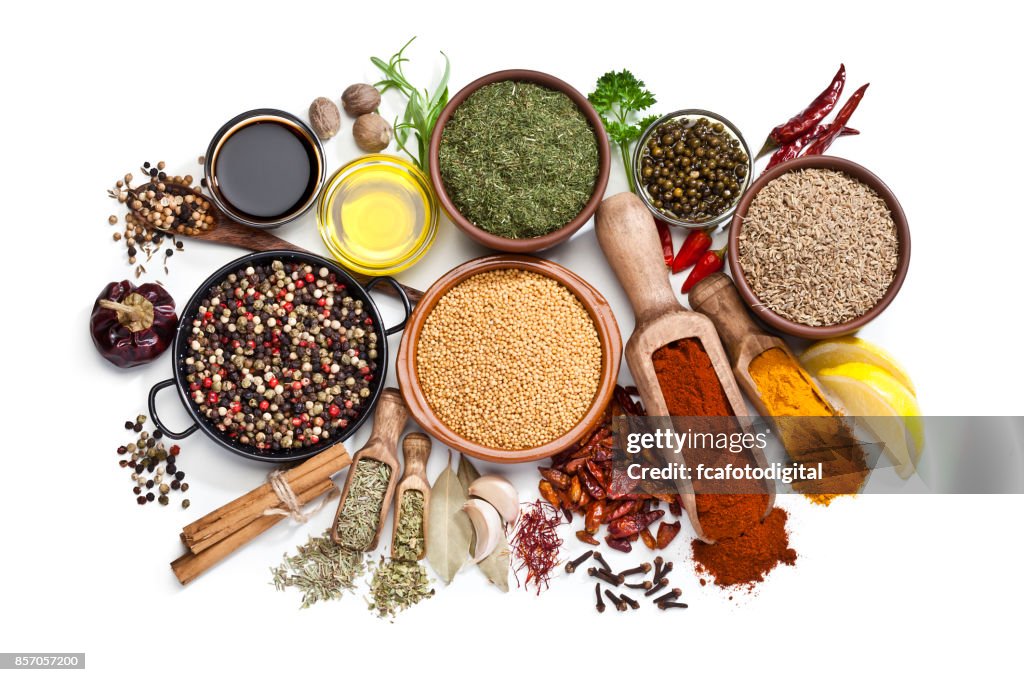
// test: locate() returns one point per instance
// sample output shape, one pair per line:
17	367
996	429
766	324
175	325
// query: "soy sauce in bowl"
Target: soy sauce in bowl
264	168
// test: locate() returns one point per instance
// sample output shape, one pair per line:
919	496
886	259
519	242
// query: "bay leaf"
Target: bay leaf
467	472
496	565
450	529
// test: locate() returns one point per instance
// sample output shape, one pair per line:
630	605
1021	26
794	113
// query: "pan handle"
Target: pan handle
159	386
401	294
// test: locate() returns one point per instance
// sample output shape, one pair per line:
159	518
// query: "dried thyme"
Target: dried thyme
396	585
321	569
357	523
409	536
518	160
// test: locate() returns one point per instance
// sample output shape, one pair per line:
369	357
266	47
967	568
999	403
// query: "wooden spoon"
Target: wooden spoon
227	231
416	450
388	423
628	236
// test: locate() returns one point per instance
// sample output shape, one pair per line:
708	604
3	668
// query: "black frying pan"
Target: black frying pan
187	316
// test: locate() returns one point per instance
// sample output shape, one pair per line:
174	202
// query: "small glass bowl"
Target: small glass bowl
384	185
638	153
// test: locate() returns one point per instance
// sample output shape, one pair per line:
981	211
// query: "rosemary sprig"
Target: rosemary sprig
422	109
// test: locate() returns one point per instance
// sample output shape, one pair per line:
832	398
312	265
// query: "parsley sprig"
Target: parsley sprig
619	99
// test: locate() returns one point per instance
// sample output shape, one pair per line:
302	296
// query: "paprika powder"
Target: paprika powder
746	547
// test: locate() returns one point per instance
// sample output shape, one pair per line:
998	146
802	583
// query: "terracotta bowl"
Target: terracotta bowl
595	304
550	239
858	172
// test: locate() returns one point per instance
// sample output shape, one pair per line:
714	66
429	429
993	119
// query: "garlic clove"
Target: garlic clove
487	526
502	495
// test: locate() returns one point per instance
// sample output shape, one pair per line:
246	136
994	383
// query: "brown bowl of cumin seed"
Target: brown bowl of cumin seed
819	246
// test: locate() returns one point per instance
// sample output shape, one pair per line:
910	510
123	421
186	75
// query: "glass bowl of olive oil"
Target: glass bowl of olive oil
378	215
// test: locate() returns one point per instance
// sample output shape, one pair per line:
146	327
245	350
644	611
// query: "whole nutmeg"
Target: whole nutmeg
325	118
360	99
372	132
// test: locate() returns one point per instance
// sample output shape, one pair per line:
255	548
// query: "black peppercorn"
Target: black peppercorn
150	497
171	469
179	475
136	490
122	450
175	484
137	427
149	484
129	425
139	468
140	499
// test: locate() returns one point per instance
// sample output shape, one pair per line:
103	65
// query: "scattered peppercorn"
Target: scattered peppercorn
145	456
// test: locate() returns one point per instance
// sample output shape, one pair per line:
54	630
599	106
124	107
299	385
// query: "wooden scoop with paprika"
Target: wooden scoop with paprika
628	236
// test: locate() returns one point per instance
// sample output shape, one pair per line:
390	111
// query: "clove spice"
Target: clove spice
609	578
619	604
633	604
575	563
600	602
668	596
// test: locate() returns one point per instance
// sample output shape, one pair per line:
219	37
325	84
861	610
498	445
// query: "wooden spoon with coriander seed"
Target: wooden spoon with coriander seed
628	236
388	423
205	222
416	451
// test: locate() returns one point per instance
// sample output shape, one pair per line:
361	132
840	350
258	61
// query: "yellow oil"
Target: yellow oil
377	216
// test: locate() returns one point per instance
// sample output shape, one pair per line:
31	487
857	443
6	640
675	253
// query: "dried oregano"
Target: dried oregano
518	160
396	585
409	539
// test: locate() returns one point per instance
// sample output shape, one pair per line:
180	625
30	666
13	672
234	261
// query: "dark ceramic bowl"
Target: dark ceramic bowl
857	172
550	239
317	170
189	314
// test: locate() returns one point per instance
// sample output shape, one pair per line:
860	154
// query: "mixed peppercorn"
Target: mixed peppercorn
280	356
155	472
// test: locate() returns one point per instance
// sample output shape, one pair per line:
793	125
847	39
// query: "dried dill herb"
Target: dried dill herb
518	160
409	535
397	585
357	523
321	569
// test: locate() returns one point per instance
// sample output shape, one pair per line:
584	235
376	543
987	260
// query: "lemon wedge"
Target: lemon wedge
885	405
835	352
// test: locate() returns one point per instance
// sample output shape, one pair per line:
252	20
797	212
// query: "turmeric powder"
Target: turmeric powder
788	391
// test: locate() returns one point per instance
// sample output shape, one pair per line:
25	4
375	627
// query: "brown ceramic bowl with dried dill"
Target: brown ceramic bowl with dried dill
772	317
558	234
594	304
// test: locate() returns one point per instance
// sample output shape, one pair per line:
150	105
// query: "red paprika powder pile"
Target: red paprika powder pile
746	548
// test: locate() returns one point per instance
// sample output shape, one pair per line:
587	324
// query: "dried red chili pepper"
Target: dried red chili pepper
584	499
675	508
711	262
648	538
573	465
667	533
812	115
584	536
665	235
633	523
836	127
555	477
591	486
547	491
575	490
595	515
792	150
595	470
621	544
619	511
694	246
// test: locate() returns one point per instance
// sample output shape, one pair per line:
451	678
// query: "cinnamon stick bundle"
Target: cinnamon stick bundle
216	535
235	515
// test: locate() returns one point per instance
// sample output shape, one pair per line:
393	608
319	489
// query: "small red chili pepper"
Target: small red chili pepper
836	128
710	262
584	536
621	544
694	246
648	538
811	116
665	235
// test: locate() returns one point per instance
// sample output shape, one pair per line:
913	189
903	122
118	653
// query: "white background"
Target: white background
883	583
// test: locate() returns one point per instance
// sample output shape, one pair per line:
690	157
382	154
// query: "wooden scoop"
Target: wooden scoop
388	424
628	236
716	297
227	231
416	450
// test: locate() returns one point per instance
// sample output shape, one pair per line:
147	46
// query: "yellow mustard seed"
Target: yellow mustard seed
509	359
